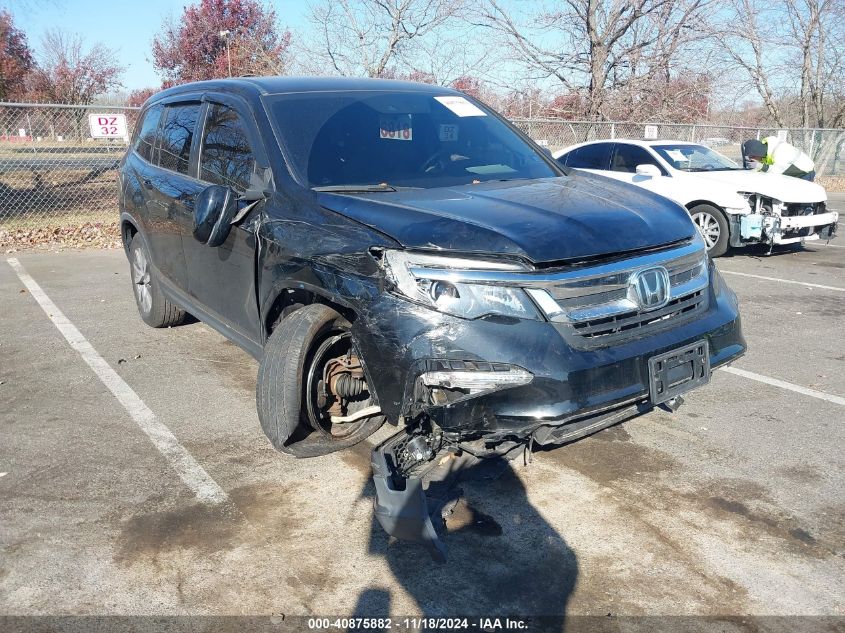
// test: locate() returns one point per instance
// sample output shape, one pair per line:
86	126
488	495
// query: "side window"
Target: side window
595	156
174	150
627	157
145	140
226	157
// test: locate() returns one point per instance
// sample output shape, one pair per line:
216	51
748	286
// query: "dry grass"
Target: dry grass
832	183
39	198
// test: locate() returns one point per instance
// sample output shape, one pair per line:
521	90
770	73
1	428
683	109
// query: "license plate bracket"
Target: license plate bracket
678	371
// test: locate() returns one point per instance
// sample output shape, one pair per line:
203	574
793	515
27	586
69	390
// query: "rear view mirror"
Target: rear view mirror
650	171
214	210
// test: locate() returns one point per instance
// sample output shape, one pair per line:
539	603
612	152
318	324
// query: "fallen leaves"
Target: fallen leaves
86	235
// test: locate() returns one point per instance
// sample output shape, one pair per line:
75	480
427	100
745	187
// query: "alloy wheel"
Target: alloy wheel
708	226
141	280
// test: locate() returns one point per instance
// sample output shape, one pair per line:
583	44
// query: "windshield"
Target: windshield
380	140
687	157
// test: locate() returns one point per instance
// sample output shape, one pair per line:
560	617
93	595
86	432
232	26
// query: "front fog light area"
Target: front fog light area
454	380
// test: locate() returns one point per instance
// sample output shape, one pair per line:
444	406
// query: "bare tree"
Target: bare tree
448	55
372	37
791	52
67	72
818	36
597	47
747	35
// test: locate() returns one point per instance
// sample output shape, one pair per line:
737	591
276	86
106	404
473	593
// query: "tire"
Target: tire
155	309
714	228
293	358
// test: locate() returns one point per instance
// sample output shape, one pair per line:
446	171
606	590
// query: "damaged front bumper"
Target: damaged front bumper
570	377
554	389
774	228
803	228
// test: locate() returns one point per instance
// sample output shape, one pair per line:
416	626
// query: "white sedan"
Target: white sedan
730	205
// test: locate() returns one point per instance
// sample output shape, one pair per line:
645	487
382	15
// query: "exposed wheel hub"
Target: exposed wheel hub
343	379
336	387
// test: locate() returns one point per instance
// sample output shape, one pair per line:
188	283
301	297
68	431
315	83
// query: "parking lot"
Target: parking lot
733	505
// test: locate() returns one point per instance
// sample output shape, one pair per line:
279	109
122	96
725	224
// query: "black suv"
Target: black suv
397	252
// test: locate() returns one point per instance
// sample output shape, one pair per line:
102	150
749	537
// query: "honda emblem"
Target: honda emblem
649	288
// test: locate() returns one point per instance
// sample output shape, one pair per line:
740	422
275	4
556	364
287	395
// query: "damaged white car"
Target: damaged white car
730	205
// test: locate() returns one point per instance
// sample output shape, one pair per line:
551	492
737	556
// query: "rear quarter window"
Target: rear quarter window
146	138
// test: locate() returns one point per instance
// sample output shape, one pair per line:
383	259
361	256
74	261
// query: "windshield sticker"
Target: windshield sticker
396	127
448	132
677	155
461	106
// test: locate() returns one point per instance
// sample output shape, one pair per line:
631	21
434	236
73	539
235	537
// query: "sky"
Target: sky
126	27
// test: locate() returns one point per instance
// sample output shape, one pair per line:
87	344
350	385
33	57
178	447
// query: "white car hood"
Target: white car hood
777	186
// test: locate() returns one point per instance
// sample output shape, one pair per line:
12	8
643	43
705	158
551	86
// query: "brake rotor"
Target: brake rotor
336	387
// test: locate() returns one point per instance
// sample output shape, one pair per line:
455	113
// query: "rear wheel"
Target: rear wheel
312	394
155	309
713	226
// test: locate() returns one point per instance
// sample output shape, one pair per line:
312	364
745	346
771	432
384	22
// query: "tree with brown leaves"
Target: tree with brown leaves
16	60
213	35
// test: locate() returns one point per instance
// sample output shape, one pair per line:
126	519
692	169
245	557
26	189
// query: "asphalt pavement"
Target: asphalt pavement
732	506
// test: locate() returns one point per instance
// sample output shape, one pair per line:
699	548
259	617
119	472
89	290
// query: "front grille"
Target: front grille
598	307
804	208
598	298
628	324
684	276
601	304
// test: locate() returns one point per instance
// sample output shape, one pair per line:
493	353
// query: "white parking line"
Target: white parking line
194	475
821	395
783	281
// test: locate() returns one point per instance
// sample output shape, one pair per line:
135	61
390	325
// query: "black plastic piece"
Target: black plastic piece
400	503
564	433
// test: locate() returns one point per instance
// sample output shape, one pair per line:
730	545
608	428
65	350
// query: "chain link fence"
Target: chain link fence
53	174
825	146
54	177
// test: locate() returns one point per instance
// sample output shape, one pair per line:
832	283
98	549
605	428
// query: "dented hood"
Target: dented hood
777	186
552	219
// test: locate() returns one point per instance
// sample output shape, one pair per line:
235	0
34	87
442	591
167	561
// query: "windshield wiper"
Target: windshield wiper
356	188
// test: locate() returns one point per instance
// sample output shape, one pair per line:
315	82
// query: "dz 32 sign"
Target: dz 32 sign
108	125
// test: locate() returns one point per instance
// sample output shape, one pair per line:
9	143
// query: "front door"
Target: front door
222	278
623	166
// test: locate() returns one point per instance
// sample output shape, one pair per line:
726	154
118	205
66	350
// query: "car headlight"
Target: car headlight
413	276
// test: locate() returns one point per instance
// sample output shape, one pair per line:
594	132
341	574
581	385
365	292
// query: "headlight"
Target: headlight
451	296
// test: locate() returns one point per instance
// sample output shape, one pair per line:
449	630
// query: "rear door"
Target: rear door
594	157
223	278
149	203
171	190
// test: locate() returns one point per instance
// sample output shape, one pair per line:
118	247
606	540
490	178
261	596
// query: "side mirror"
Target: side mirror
649	171
214	210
